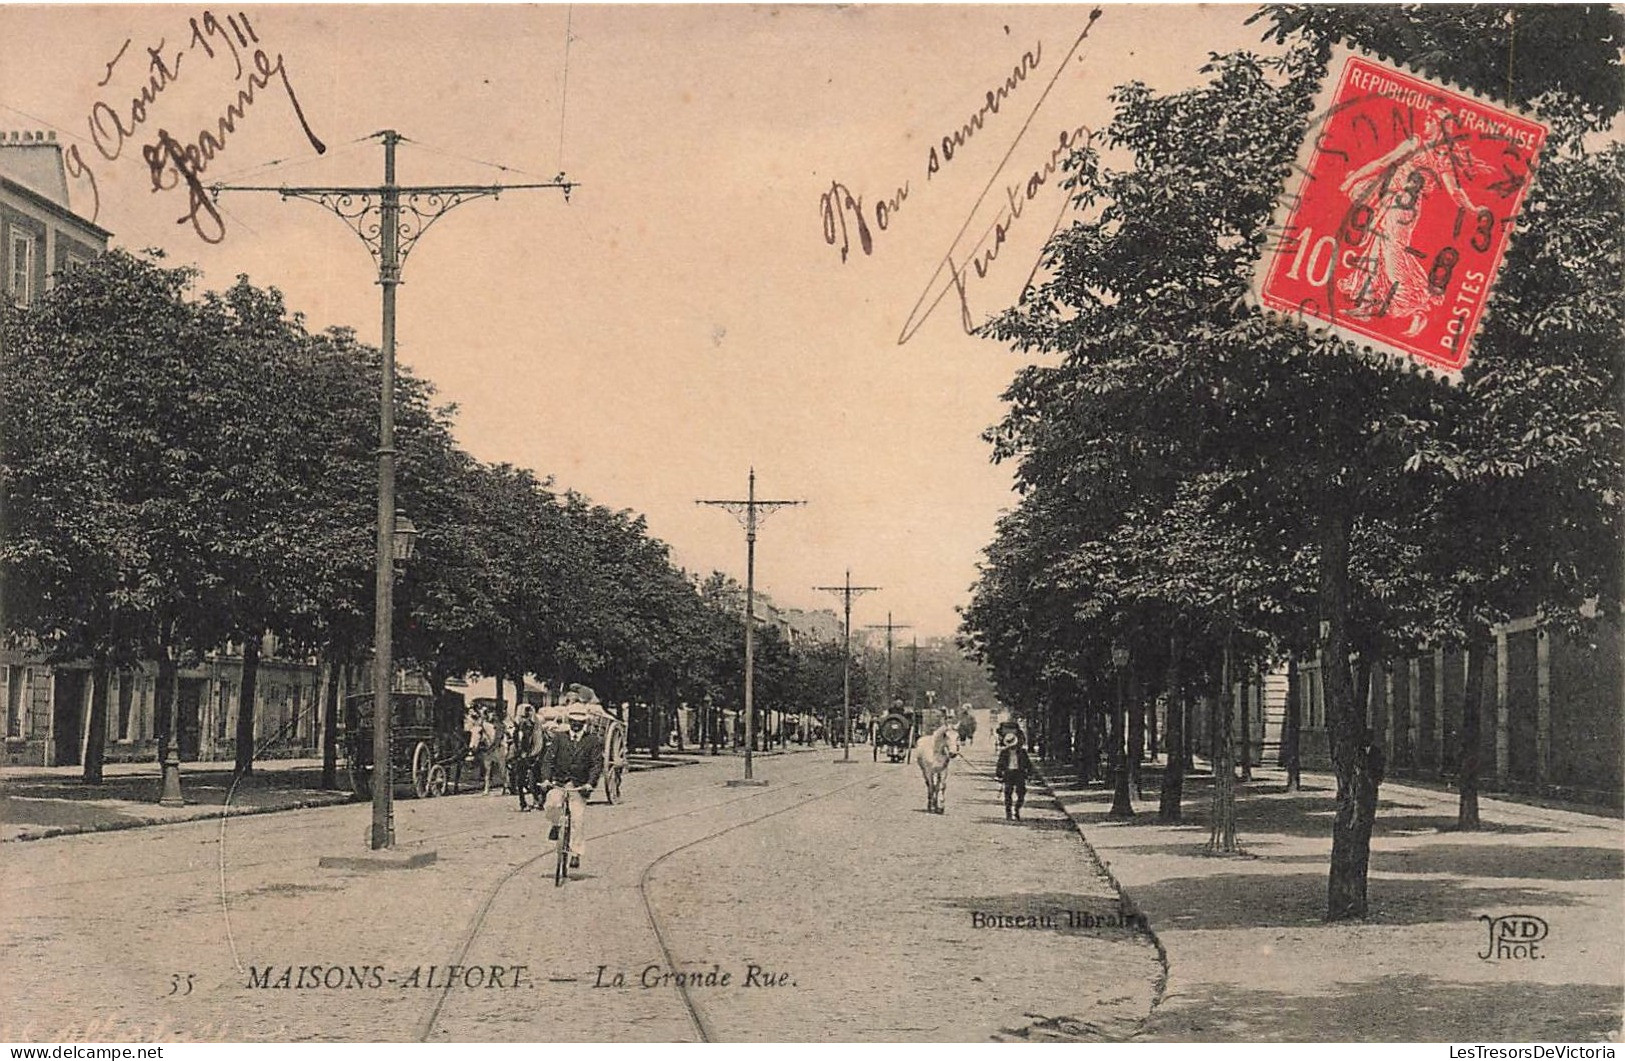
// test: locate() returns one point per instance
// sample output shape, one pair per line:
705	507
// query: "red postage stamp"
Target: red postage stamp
1397	214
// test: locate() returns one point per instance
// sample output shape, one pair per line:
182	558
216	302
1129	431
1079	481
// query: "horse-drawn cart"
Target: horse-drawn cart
426	742
895	734
611	733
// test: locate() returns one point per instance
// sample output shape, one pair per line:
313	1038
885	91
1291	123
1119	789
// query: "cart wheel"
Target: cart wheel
422	762
614	764
437	780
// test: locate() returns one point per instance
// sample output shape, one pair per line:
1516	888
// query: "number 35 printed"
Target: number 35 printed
181	983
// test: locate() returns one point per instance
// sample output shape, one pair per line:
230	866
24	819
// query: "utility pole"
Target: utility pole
889	627
914	685
389	218
750	512
847	591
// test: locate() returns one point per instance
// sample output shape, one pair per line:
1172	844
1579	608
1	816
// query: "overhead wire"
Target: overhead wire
564	91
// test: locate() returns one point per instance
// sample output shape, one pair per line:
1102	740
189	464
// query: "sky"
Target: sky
705	301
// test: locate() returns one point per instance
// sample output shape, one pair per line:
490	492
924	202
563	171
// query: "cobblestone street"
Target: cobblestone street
855	908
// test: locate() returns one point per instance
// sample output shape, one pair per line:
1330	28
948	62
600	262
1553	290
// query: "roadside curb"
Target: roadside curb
337	799
1126	904
120	824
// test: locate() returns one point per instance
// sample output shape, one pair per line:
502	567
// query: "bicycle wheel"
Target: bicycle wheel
561	872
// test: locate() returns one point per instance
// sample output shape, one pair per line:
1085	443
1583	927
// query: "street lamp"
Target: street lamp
406	538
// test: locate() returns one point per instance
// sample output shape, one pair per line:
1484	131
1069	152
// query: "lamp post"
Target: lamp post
1122	804
389	218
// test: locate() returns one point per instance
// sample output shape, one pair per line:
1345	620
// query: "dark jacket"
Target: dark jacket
1013	760
573	760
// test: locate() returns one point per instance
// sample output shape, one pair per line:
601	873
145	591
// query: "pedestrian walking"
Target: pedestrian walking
1012	769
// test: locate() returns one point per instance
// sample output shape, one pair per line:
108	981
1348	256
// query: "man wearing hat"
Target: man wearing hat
1012	769
571	767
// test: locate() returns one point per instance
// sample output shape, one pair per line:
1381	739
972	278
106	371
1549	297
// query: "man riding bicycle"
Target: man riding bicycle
571	767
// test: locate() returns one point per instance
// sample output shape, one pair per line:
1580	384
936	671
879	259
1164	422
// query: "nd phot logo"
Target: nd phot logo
1514	936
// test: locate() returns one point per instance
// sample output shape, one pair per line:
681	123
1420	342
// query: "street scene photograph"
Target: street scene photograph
866	524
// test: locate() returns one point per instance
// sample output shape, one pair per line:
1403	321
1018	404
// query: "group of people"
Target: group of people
547	756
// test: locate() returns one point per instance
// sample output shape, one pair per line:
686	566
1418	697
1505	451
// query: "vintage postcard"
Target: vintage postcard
810	523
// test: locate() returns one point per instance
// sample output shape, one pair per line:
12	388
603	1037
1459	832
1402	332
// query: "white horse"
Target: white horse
488	745
933	752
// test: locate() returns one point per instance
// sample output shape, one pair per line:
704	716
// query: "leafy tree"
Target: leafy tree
104	460
1167	372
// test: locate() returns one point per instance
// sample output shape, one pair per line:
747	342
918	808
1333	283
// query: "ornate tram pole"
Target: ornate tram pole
750	512
376	215
847	592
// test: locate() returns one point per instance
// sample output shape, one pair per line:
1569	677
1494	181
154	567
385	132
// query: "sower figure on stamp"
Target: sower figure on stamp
1012	769
572	765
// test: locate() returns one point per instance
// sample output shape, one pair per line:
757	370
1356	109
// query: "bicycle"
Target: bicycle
561	870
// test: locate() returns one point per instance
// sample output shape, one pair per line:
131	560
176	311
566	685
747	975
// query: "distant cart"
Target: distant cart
611	732
894	734
426	742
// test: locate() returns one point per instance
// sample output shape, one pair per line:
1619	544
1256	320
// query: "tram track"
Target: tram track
697	1020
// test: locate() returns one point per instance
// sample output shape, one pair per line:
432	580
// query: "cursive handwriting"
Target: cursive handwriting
995	99
951	276
172	163
110	127
1018	195
842	211
115	121
838	203
114	62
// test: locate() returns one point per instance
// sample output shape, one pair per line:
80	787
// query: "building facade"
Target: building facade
1552	721
48	710
40	233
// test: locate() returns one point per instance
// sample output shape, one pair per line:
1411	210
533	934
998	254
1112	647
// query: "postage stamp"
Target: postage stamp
1394	221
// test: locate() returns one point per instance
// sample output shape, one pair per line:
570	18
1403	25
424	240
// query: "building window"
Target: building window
126	701
20	269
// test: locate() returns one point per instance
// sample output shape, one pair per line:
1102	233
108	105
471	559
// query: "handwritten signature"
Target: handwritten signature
951	275
170	162
966	261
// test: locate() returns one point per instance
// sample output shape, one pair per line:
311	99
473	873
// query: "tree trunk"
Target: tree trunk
1247	683
1222	816
165	688
1173	775
1090	758
1187	744
1135	707
1351	759
96	737
1122	803
245	705
654	730
1151	728
1292	732
1221	835
1479	640
330	722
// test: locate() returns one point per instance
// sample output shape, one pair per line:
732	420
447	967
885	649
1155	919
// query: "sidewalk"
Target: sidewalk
1251	958
41	802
